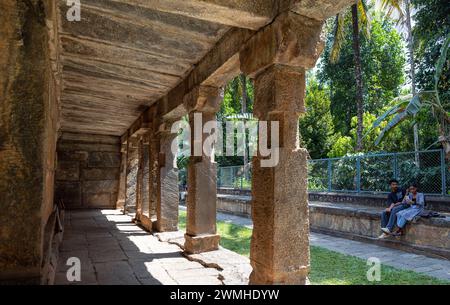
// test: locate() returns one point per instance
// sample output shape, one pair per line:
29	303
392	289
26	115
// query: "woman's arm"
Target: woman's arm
420	199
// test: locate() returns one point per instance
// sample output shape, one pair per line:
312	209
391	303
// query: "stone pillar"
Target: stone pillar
201	233
123	178
139	177
167	182
276	58
153	176
145	164
132	169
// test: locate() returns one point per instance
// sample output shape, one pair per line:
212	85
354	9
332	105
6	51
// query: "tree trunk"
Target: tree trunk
358	78
412	75
243	80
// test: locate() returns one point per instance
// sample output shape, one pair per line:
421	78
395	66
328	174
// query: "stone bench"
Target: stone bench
429	236
360	222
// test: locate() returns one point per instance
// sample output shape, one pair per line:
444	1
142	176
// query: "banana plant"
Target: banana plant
408	106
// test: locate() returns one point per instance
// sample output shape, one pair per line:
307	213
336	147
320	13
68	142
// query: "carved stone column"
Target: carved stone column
139	177
201	235
123	177
277	58
132	170
167	182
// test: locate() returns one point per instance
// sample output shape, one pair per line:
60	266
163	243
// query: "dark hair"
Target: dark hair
414	184
393	180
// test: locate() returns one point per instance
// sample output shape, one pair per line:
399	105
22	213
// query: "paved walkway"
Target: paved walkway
113	250
439	268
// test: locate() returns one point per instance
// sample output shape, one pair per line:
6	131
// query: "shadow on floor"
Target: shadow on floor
113	250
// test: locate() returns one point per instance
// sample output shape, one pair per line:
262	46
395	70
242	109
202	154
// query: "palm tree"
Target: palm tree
238	88
405	17
360	19
243	79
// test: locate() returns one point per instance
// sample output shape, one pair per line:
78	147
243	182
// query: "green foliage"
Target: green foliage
342	146
231	105
316	126
429	101
333	268
383	63
432	26
232	100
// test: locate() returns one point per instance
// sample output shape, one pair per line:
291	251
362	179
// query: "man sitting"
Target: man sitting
395	205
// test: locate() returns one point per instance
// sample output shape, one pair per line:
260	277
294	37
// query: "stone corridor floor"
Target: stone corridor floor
113	250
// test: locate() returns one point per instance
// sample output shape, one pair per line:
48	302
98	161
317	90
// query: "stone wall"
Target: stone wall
28	123
435	203
427	236
234	204
88	170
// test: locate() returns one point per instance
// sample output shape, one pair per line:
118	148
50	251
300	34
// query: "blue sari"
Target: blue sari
408	214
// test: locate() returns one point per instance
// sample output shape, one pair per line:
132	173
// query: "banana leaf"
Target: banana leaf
411	110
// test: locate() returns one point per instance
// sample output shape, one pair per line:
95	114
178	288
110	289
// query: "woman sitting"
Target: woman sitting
416	202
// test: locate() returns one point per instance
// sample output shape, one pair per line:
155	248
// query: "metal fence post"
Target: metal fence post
395	166
242	176
329	175
358	174
443	174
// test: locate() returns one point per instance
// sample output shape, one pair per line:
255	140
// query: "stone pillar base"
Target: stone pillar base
201	243
268	277
154	224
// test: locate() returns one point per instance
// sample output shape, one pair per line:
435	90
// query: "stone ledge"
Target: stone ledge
436	203
426	236
371	213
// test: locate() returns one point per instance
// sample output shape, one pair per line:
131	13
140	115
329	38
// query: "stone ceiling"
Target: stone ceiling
126	54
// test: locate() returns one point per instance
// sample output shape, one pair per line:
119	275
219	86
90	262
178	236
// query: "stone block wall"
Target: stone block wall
28	130
234	204
88	170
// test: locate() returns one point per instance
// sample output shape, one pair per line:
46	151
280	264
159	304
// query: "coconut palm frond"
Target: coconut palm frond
364	16
441	61
338	38
393	5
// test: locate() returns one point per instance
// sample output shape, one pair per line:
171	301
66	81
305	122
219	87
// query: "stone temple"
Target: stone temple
86	110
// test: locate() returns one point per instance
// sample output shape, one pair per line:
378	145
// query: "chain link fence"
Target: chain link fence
360	173
235	177
371	172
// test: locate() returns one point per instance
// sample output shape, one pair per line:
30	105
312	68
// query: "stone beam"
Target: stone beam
320	9
250	14
223	53
291	39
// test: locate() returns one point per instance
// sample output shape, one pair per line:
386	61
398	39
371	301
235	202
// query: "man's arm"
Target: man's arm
390	202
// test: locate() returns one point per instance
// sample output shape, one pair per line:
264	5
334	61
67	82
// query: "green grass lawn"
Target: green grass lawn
327	267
